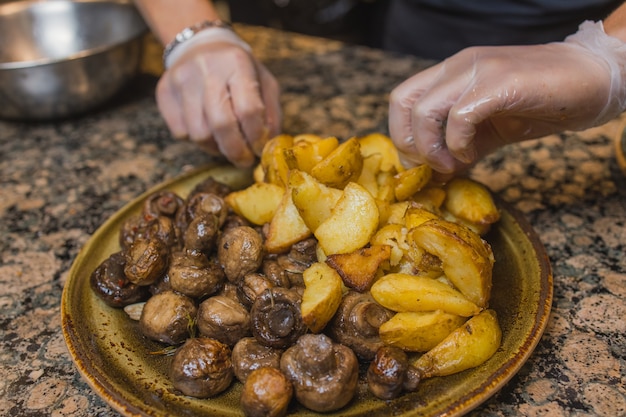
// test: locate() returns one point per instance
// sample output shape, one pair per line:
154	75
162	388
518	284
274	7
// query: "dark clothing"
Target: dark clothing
439	28
432	29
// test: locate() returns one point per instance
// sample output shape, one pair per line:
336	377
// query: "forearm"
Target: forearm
168	17
615	24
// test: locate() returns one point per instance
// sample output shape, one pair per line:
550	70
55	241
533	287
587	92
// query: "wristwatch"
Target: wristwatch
190	31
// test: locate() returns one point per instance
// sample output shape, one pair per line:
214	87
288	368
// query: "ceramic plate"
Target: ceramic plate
116	361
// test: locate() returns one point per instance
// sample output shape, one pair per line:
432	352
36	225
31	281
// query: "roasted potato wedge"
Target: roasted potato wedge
369	174
379	144
273	159
416	215
360	268
308	150
394	236
287	226
402	292
353	222
419	331
471	204
341	166
467	260
314	200
466	347
321	297
257	203
411	181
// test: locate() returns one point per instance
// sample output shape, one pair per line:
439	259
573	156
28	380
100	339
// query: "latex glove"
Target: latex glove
454	113
216	94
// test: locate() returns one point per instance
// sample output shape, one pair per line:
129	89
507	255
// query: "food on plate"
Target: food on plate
321	297
335	260
249	354
352	222
360	268
356	323
266	393
467	346
202	367
324	374
467	260
403	292
419	331
390	373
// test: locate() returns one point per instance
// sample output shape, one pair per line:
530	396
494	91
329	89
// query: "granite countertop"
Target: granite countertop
60	181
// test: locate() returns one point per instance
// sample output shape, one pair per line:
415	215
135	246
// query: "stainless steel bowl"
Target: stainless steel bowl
63	58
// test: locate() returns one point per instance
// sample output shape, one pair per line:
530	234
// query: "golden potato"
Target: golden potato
466	347
430	197
308	150
360	268
386	186
416	215
341	166
394	236
369	173
379	144
287	226
273	159
467	260
257	203
353	222
412	180
419	331
321	297
471	203
402	292
313	199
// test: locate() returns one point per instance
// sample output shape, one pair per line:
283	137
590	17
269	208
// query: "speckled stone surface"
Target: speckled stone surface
60	181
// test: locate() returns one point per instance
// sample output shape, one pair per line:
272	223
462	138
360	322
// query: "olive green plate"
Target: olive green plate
117	362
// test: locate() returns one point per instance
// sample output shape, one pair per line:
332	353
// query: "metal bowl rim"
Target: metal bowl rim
40	62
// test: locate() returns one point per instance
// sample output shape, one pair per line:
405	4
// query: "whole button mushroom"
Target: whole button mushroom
240	252
276	318
224	319
166	317
266	393
324	374
193	274
109	282
249	354
202	367
146	260
390	373
356	324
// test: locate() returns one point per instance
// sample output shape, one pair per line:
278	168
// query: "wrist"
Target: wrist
203	32
612	51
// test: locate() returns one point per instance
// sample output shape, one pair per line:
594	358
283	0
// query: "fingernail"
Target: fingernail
467	155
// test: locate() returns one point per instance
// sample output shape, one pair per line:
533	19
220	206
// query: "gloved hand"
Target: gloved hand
216	94
454	113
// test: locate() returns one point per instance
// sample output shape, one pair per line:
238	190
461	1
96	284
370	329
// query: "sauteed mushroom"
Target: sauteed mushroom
167	317
162	203
356	323
223	319
266	393
324	374
249	354
390	373
240	252
109	282
251	286
202	367
276	319
193	274
146	260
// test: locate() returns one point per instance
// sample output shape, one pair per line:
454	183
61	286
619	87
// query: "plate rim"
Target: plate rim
464	404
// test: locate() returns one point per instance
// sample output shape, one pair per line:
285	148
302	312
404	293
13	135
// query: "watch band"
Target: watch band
190	31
